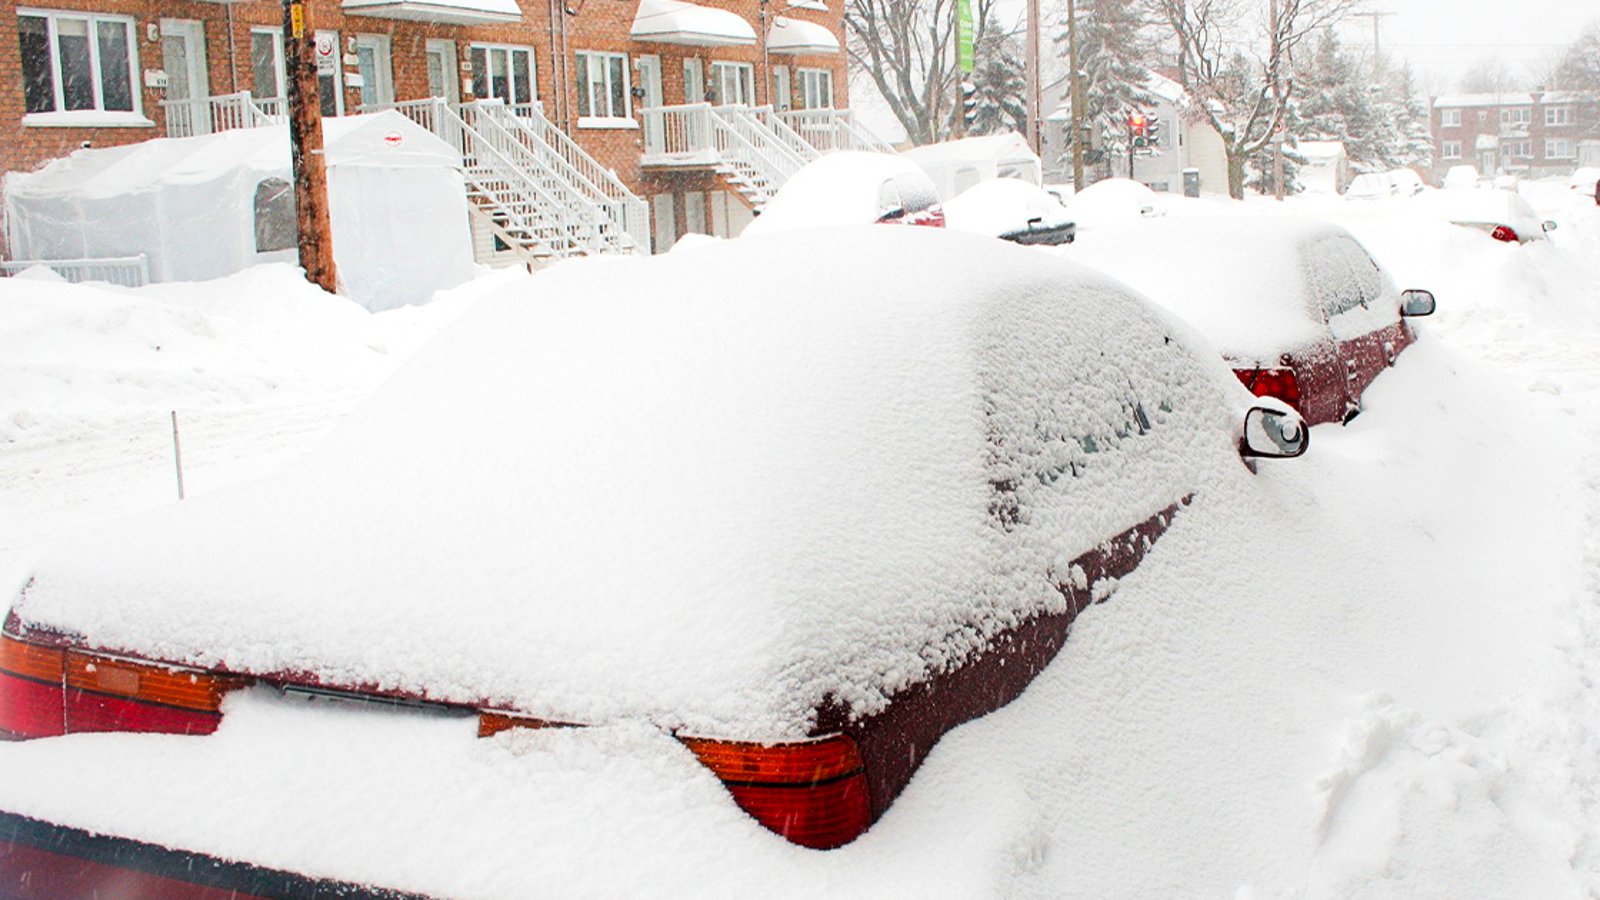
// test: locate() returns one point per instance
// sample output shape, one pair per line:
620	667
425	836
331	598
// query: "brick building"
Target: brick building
664	116
1531	134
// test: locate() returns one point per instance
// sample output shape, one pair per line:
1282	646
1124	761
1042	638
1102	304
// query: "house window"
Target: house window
1558	148
1558	115
735	83
1449	118
1516	115
816	89
602	85
276	228
506	72
1450	149
266	63
77	62
1519	149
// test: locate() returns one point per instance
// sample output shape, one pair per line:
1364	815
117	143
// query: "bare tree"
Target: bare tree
1489	76
1238	66
907	48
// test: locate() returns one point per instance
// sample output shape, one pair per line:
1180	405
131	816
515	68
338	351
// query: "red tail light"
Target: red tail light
1279	383
1504	233
47	691
814	793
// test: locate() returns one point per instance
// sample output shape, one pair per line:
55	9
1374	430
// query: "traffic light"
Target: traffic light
1138	129
1153	132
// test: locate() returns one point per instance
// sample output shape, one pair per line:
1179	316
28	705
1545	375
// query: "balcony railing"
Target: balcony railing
128	271
833	129
208	115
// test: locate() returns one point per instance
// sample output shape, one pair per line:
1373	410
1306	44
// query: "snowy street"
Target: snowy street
1369	672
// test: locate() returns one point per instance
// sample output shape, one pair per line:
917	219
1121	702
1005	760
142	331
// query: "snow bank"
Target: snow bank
621	493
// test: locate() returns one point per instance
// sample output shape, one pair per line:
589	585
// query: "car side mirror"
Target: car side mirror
890	215
1416	302
1549	225
1273	434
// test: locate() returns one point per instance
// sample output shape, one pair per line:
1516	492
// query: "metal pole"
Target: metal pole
305	148
177	453
1075	90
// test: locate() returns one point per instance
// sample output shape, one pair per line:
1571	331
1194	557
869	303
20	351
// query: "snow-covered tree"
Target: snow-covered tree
1412	122
1580	65
1340	102
907	49
999	83
1115	44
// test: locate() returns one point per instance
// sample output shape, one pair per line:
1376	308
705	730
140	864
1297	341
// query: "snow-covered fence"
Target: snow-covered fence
128	271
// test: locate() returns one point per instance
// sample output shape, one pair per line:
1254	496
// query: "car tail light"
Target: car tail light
1504	233
47	691
1279	383
814	792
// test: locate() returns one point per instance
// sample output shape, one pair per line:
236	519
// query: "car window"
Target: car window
1340	276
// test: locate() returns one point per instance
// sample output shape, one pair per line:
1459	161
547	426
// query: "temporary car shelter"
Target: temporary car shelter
206	206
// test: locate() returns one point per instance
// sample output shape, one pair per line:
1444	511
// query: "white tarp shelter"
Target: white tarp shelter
203	207
955	166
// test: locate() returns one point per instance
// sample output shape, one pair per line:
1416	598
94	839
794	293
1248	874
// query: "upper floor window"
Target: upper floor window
1449	118
507	73
602	85
73	62
1516	115
1558	115
1519	149
734	83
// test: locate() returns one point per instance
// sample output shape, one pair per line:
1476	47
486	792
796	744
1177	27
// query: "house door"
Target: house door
442	79
377	73
694	80
183	57
781	98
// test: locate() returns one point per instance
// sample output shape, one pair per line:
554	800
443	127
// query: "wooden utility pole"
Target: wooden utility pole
1075	92
1032	61
1275	59
1377	39
959	128
305	148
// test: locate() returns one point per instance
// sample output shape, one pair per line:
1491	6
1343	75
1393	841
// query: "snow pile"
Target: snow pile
683	504
844	188
1112	201
1003	205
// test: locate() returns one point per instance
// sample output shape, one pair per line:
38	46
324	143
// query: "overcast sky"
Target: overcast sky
1443	37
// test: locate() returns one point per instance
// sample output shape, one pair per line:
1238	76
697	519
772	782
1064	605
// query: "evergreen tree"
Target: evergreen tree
1413	122
999	83
1114	43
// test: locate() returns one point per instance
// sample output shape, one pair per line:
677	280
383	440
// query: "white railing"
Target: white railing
785	134
736	139
128	271
629	213
208	115
833	129
678	134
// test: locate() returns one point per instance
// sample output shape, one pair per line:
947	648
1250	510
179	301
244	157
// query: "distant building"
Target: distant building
1187	142
1532	134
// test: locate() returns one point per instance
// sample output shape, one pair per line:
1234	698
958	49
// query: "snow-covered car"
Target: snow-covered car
1586	180
1012	210
852	188
1406	182
1462	177
1371	186
1298	308
806	525
1113	200
1501	214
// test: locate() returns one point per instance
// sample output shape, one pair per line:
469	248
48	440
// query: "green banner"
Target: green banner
964	36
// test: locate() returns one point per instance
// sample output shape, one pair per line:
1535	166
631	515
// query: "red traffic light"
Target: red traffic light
1137	122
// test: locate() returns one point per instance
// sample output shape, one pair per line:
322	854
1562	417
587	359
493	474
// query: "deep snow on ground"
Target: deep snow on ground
1369	672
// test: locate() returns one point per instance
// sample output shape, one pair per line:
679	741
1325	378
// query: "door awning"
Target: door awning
795	36
447	12
677	22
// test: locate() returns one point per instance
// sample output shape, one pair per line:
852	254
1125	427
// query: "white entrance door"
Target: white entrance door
442	78
781	97
694	80
377	73
183	58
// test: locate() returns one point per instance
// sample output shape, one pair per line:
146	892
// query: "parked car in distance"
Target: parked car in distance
1298	308
1461	177
1371	186
1502	215
849	188
1012	210
1586	180
1406	182
807	525
1111	201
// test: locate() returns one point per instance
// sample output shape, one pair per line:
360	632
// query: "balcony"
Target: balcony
209	115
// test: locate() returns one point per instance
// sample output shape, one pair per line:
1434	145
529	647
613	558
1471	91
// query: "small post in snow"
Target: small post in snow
177	453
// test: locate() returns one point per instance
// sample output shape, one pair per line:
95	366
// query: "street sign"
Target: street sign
327	53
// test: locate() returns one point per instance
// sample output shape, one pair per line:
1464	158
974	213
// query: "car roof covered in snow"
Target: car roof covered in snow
835	189
1242	281
712	489
1001	205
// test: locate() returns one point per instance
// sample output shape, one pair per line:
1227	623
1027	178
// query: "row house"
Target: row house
584	125
1533	134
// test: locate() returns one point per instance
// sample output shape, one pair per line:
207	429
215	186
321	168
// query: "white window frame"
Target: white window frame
744	77
811	88
1559	148
510	50
1558	115
381	48
1522	149
1449	118
590	63
279	70
445	51
1516	115
99	116
1449	149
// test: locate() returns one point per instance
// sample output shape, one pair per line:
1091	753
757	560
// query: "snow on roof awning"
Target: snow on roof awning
449	12
795	36
677	22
